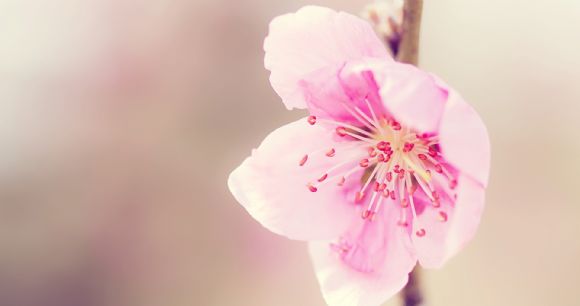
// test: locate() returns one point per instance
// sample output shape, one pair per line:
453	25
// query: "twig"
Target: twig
408	52
409	47
411	294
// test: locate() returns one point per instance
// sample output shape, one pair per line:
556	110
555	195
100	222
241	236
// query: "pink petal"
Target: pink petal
375	269
310	39
336	91
464	140
443	239
272	186
412	96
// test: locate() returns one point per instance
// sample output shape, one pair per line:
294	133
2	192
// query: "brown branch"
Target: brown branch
408	52
409	47
411	294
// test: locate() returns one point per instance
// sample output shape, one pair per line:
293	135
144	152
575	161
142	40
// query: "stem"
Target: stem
408	52
409	47
411	294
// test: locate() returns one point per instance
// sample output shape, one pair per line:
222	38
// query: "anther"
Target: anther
421	232
331	152
404	203
359	196
312	120
438	168
367	214
303	160
408	147
432	152
372	152
386	193
383	145
435	195
341	182
312	188
453	184
323	177
389	176
436	203
422	156
443	216
401	174
379	186
396	126
341	131
364	163
402	223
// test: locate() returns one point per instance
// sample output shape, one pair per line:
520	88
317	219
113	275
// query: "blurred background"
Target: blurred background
121	120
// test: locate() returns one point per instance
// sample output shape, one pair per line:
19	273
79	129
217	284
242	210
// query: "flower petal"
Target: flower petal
272	186
339	92
464	140
447	233
412	96
312	38
375	267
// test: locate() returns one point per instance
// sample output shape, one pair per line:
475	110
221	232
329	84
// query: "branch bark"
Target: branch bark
409	46
408	52
411	294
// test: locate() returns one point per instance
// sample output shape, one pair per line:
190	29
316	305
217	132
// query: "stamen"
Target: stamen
383	145
432	152
353	135
303	160
408	147
357	117
364	162
443	216
388	147
373	173
374	123
344	126
312	120
396	126
368	209
453	183
358	196
381	157
331	152
312	188
421	232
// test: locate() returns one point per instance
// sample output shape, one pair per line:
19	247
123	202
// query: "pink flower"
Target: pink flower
389	168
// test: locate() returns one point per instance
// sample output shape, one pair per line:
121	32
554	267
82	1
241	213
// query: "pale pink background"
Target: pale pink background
120	121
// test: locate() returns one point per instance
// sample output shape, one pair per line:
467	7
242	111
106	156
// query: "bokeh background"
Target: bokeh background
121	120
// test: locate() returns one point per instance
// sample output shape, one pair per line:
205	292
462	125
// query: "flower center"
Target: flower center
397	162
